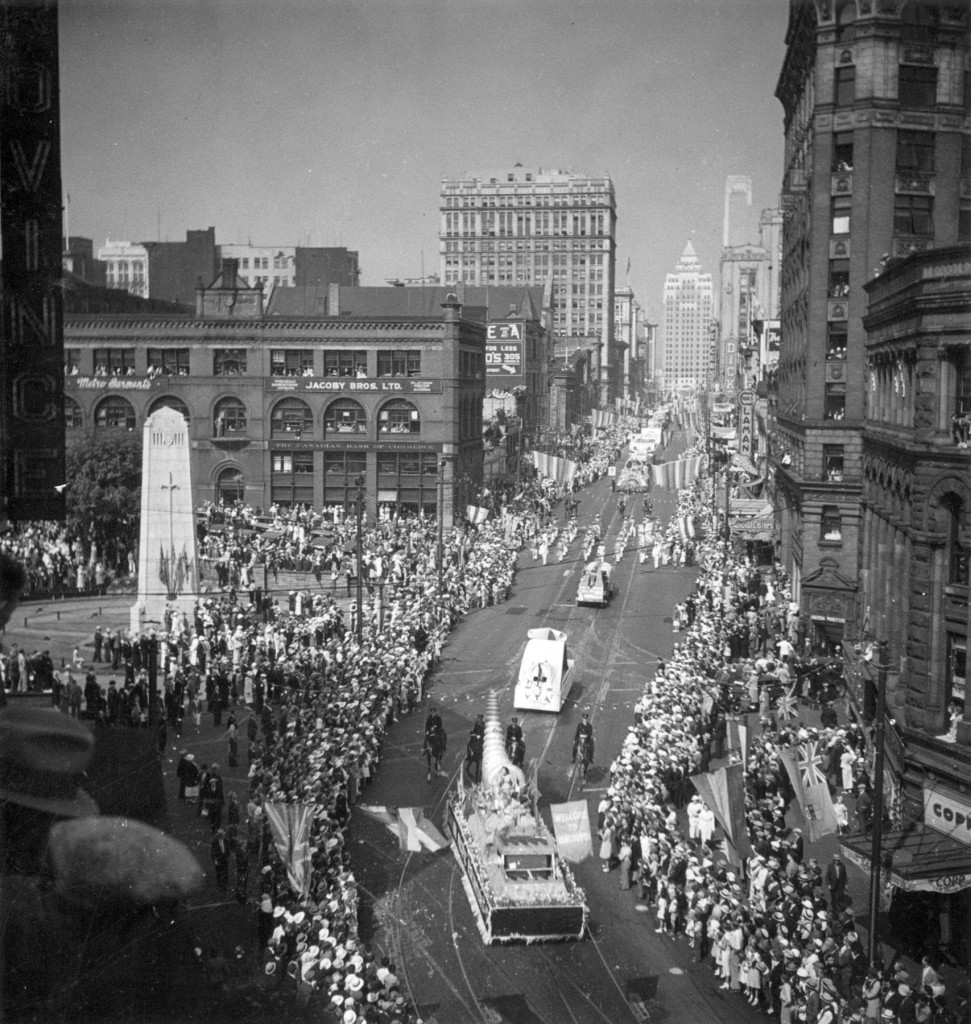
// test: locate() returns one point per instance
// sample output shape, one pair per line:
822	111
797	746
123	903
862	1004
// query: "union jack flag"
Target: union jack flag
787	706
810	762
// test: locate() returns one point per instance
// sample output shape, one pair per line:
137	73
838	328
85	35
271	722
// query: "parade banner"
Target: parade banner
290	828
571	826
804	765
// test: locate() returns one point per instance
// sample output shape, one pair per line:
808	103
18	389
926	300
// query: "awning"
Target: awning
749	508
743	462
922	860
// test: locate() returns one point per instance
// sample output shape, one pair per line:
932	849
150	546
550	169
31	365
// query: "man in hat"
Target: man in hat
435	742
187	772
62	951
583	742
473	753
514	732
219	852
836	882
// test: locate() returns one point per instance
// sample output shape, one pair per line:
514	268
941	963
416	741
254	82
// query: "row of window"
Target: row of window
912	215
406	479
916	86
290	417
229	362
915	152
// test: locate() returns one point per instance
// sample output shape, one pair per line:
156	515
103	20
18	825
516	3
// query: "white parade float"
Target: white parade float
545	672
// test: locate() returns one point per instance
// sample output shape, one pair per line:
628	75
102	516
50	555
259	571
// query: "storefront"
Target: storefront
927	876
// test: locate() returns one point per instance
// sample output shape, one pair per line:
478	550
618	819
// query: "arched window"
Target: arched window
846	21
170	402
230	487
958	554
345	416
73	416
399	417
229	417
918	23
291	417
115	412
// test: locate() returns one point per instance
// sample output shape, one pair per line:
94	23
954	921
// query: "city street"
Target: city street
415	902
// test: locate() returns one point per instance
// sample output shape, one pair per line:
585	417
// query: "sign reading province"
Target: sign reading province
571	826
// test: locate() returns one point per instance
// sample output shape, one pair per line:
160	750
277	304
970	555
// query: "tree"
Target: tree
104	475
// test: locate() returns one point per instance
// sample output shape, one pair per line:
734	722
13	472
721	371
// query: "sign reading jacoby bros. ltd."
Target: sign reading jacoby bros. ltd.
357	385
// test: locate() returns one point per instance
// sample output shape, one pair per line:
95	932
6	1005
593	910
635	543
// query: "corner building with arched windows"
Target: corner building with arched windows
293	409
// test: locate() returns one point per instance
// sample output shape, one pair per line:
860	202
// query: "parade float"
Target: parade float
518	887
545	672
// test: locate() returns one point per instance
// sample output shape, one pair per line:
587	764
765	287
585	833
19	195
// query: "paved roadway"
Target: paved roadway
413	904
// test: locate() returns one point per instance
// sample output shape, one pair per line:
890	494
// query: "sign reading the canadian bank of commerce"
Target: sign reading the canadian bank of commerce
358	385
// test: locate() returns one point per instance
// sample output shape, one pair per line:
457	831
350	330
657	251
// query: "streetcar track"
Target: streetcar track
480	952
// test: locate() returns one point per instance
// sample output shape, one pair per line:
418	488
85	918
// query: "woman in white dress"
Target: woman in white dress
706	824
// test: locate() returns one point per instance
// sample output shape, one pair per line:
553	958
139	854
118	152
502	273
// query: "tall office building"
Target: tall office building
877	166
688	308
532	226
749	297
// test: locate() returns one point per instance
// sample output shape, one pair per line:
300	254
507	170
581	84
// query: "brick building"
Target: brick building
286	409
877	164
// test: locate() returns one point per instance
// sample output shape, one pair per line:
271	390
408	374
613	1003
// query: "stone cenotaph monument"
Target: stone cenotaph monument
168	569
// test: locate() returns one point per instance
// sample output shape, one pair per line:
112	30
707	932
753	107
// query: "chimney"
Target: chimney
230	271
334	299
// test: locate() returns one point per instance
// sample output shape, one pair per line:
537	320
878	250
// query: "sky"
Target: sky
321	122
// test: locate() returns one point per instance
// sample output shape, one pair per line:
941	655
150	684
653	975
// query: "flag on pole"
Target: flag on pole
724	792
678	474
410	826
476	514
739	731
687	527
804	765
290	828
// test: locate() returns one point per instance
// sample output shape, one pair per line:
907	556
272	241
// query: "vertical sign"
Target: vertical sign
746	422
31	326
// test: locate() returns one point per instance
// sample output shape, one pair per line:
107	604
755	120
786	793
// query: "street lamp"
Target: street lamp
359	503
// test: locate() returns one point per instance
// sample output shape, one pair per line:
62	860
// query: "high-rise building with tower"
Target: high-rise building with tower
529	226
688	325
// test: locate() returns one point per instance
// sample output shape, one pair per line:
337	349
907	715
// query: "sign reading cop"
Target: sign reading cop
948	812
504	349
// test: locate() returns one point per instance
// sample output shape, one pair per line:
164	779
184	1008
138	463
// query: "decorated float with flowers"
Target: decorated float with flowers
518	886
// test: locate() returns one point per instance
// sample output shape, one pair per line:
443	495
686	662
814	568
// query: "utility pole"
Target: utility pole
360	560
441	523
876	846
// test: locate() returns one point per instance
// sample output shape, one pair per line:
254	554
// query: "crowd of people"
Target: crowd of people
58	563
776	927
316	704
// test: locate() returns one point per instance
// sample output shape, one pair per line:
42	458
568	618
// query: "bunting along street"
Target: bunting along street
414	902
